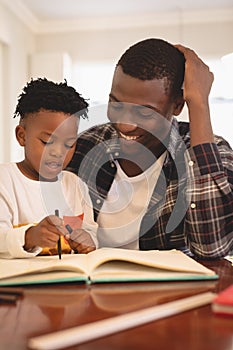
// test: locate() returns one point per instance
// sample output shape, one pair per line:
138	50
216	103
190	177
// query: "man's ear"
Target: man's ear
20	134
178	105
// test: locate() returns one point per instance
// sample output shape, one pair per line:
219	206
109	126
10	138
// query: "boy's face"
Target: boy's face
141	111
49	140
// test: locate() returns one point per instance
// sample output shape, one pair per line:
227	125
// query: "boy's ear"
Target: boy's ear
179	104
20	134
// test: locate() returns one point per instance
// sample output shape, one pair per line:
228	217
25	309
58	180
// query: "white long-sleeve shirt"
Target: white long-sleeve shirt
25	202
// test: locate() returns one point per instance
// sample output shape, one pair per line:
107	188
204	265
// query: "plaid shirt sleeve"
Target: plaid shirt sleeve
209	218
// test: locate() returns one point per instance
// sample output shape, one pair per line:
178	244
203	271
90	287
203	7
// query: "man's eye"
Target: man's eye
145	112
115	105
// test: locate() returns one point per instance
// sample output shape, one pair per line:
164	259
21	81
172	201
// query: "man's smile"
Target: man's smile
129	138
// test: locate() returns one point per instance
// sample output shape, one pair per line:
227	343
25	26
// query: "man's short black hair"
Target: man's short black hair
44	94
155	59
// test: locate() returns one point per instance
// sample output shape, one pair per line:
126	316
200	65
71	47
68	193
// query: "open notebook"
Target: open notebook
104	265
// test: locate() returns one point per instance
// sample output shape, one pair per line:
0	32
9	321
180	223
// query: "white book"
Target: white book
104	265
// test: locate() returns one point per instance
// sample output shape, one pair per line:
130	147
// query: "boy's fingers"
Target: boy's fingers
56	224
83	249
55	220
81	236
67	236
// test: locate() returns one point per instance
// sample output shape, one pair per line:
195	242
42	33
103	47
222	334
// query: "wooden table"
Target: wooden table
46	309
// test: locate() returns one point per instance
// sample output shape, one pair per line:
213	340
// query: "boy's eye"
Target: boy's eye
66	145
46	142
70	146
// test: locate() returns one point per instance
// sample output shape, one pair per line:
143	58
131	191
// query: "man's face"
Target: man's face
141	111
49	140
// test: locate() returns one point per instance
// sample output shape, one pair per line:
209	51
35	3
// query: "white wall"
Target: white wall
92	47
210	39
53	65
17	43
1	103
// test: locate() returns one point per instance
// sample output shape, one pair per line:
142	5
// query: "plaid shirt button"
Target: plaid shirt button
191	163
193	205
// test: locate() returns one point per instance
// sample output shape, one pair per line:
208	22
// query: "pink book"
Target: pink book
223	303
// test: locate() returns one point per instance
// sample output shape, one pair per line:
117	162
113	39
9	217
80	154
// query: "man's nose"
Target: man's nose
126	126
127	122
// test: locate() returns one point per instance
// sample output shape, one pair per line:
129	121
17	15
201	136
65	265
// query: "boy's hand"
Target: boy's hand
45	233
80	241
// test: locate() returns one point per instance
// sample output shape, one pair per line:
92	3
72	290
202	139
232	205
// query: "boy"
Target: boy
32	190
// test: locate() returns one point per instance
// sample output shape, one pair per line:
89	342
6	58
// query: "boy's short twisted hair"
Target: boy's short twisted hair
155	59
44	94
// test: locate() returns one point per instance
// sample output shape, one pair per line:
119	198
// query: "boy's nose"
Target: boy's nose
57	151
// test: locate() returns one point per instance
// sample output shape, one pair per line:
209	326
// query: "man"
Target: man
157	183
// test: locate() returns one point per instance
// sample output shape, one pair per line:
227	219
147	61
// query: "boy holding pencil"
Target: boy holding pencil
33	190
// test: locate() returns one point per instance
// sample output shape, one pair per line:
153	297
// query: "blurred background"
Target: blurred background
81	41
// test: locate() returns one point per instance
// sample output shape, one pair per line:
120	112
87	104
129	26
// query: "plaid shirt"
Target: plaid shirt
191	207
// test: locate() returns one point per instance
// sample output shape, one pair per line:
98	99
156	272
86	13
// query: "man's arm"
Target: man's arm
209	219
197	85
